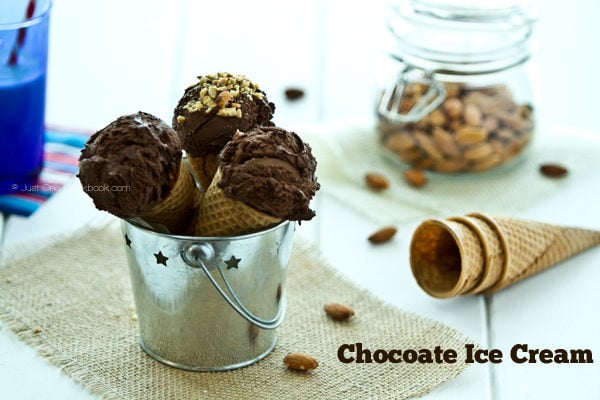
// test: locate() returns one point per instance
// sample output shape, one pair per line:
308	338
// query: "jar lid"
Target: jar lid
461	36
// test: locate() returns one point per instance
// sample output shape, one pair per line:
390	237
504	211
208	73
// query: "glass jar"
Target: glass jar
458	94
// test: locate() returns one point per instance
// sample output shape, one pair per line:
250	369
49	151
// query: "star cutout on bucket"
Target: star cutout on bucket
127	241
233	262
160	258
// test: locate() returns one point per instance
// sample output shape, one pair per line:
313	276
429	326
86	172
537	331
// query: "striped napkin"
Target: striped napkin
61	155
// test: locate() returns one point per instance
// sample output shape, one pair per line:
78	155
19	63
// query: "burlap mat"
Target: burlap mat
72	302
346	152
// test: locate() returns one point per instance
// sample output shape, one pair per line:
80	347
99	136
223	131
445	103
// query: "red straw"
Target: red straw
14	54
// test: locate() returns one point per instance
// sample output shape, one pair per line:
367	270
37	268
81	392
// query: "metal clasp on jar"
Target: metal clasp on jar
390	104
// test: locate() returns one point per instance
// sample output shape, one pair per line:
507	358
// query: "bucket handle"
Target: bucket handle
194	256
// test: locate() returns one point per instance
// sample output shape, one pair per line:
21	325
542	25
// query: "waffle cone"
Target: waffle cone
493	250
205	168
446	257
219	215
174	212
531	246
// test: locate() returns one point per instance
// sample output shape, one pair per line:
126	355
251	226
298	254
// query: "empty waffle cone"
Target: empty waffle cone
205	168
493	251
446	258
174	212
219	215
532	246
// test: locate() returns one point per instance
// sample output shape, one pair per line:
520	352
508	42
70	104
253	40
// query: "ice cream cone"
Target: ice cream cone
493	250
205	168
174	212
209	113
138	158
219	215
533	246
446	257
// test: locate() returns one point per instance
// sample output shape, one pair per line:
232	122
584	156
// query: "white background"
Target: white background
116	57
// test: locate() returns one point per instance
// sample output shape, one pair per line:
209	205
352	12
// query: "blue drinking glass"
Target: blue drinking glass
23	65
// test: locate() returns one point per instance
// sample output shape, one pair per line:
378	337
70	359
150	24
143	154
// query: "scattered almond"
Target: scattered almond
338	311
553	170
294	94
37	330
300	361
382	235
415	177
376	181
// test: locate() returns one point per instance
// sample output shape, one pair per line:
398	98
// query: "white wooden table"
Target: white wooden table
113	57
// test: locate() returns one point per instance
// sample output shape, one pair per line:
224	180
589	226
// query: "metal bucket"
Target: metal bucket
208	303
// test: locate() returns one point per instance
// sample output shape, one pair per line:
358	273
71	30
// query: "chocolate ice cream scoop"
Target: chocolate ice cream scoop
130	165
270	169
211	111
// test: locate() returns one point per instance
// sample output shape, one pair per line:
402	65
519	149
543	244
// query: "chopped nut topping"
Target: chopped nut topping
220	91
223	99
228	112
212	91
